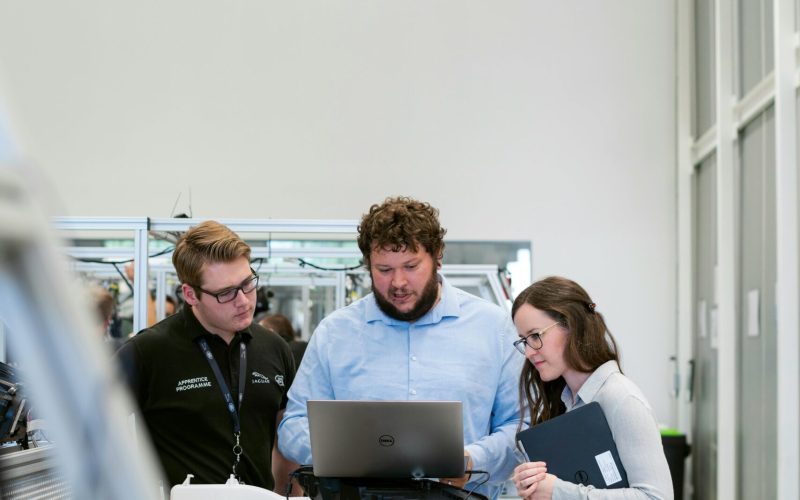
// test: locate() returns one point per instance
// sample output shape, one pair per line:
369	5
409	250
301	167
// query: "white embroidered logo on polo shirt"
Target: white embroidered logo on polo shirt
189	384
258	378
279	380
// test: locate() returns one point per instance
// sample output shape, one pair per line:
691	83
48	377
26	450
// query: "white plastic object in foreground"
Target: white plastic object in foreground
231	490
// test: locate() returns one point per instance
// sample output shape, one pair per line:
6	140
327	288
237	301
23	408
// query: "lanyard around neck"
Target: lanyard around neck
226	393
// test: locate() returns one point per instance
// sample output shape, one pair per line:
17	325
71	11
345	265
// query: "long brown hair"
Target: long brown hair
589	343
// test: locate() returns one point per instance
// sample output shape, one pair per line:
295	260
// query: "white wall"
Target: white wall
540	120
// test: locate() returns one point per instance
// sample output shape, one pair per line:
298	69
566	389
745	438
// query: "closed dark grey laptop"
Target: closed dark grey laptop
578	447
386	439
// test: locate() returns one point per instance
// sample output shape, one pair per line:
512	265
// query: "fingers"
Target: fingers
528	468
527	477
528	491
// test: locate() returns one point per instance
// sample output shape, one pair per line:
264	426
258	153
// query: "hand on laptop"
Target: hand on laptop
459	482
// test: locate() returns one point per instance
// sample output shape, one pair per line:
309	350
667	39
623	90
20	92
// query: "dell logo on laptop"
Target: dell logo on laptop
581	477
386	440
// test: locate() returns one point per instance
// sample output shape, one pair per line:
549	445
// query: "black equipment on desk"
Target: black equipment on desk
13	408
325	488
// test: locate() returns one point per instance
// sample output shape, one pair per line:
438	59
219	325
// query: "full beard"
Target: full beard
424	303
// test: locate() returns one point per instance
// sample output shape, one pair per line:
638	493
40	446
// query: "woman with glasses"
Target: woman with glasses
573	360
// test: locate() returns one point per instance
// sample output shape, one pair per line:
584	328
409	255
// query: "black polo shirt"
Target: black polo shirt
183	406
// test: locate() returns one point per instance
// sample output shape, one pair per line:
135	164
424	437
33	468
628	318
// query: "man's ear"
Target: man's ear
189	295
439	262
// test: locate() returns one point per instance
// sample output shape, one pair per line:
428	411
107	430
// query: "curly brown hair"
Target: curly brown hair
589	343
401	223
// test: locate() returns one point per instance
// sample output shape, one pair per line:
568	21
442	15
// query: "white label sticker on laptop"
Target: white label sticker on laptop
608	468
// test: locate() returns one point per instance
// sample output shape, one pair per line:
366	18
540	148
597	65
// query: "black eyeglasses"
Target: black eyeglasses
230	294
534	340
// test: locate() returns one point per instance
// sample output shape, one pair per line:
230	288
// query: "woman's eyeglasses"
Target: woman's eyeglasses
534	340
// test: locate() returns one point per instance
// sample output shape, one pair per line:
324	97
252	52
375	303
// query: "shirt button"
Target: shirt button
413	392
413	358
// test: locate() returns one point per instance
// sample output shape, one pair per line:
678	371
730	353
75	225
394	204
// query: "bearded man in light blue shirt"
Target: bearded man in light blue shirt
416	337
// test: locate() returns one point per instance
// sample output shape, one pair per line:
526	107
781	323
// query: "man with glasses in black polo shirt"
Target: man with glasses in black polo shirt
211	385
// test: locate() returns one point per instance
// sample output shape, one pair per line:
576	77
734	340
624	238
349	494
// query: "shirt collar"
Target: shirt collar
588	390
193	329
448	306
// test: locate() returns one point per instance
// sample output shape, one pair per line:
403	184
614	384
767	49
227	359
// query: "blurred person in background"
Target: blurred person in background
281	325
169	306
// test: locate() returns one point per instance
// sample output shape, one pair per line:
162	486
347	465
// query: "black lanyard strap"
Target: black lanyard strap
226	393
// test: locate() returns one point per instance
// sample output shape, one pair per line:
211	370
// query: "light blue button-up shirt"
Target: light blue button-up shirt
462	350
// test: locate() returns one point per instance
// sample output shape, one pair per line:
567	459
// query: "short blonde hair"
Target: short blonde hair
207	242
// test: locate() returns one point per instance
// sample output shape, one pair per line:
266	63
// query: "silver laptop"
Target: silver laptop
386	439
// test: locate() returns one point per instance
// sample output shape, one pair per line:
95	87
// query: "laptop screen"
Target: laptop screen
386	439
